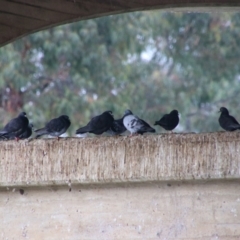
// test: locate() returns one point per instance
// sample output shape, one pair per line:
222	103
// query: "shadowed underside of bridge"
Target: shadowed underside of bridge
22	17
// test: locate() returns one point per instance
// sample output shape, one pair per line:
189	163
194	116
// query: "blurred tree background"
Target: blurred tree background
150	62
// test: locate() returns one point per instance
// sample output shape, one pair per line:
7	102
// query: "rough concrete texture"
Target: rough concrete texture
120	159
168	186
203	210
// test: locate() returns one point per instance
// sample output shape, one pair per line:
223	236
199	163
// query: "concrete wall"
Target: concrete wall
180	186
161	210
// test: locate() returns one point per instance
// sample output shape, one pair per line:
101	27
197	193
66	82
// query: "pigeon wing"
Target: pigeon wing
27	133
98	125
15	126
55	125
163	121
232	123
145	127
233	120
117	126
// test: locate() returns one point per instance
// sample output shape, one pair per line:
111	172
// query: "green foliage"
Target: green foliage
150	62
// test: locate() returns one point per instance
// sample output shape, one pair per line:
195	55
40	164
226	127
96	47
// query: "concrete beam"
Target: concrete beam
164	157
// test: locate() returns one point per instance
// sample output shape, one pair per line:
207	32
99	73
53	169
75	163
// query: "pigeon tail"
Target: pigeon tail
146	129
3	133
83	130
235	127
40	132
162	125
151	130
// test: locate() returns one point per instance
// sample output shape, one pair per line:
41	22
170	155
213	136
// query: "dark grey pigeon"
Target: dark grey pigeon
15	127
98	124
26	134
55	127
169	121
135	125
117	127
226	121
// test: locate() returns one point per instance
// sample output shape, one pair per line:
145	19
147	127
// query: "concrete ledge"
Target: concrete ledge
162	157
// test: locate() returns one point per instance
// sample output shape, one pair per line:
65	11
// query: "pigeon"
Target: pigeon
55	127
117	127
15	127
27	133
135	125
98	124
226	121
169	121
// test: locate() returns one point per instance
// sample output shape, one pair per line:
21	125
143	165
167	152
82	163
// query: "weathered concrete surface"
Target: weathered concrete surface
168	186
120	159
203	210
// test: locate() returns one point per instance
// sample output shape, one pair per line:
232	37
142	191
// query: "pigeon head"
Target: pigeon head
109	112
174	112
223	110
127	112
65	116
22	114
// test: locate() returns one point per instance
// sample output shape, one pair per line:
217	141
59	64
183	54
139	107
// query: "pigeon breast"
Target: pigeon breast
132	123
